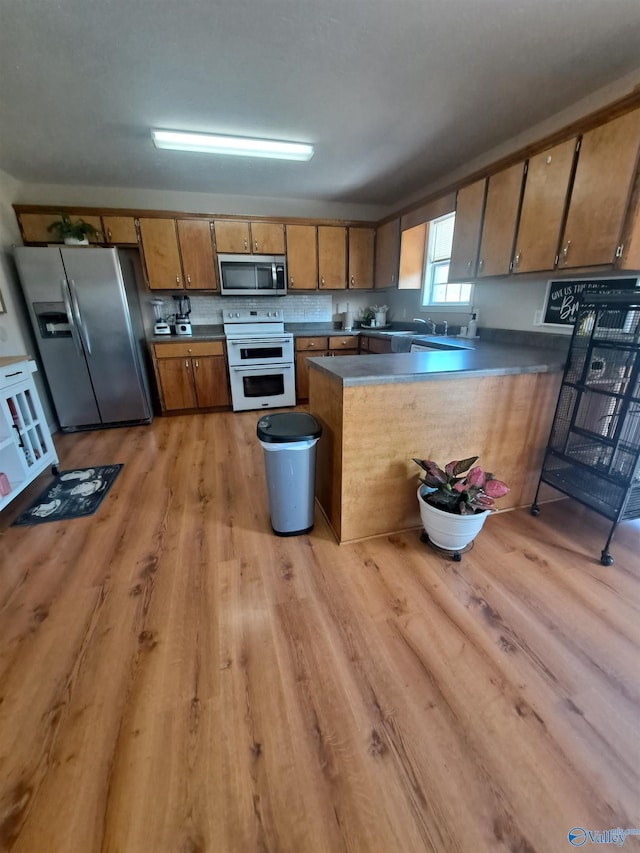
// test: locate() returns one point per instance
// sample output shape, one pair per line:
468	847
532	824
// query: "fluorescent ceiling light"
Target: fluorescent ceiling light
214	144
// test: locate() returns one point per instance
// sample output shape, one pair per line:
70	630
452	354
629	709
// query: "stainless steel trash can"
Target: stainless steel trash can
289	442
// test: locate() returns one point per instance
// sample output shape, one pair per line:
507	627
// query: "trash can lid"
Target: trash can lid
288	426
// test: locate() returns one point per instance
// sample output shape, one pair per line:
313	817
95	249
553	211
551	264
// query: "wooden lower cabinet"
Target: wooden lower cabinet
192	376
370	345
319	346
304	348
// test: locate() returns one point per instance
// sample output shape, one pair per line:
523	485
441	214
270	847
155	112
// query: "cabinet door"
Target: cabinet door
212	387
302	257
387	254
232	236
361	248
196	249
161	255
606	164
543	206
176	383
34	227
500	219
119	230
332	257
412	249
466	231
302	373
267	238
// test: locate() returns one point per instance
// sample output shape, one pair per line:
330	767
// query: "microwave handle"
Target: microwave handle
274	276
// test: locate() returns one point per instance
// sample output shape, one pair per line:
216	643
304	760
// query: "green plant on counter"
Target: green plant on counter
450	492
79	230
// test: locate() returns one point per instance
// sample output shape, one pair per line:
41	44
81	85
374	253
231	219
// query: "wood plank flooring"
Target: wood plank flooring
174	677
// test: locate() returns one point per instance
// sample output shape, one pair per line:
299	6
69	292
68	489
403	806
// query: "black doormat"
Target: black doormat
72	494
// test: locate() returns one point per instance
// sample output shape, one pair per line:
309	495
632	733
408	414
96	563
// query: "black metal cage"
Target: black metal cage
593	454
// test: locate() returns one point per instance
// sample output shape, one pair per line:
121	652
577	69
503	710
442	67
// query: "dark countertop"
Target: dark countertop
486	359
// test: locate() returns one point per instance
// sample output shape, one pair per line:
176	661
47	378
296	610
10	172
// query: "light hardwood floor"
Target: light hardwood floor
174	677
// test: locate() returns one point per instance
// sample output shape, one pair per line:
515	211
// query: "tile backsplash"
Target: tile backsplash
206	309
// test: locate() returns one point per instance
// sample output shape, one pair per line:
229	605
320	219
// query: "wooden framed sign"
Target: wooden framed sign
561	300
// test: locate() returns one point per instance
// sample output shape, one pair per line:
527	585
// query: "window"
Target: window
436	289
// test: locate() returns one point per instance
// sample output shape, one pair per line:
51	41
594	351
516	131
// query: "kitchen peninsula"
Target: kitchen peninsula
379	411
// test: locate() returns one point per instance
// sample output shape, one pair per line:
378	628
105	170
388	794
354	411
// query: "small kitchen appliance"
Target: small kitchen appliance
183	324
160	327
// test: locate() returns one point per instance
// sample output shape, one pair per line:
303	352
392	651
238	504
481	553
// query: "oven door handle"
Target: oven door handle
263	367
253	341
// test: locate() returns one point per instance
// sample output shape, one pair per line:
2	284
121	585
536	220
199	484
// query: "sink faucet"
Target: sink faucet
431	326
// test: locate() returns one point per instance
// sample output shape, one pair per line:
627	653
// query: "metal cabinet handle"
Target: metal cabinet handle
565	251
177	279
480	264
188	279
109	234
255	244
516	260
186	364
353	279
197	365
322	282
469	264
246	245
291	280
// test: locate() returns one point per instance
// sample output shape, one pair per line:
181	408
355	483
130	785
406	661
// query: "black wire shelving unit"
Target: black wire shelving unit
593	454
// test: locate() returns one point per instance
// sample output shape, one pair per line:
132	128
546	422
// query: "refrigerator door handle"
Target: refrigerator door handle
76	310
70	317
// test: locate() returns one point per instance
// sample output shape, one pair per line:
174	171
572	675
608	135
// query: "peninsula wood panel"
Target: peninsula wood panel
177	678
543	208
505	420
607	161
500	220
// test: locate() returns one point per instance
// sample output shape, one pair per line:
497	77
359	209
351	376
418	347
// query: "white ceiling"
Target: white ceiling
393	94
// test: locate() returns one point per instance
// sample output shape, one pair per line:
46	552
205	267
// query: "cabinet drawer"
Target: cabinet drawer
346	342
310	343
185	350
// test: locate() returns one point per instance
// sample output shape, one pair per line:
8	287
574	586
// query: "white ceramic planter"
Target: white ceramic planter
448	530
72	241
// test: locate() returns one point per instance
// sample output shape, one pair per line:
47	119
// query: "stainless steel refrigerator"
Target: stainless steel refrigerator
84	307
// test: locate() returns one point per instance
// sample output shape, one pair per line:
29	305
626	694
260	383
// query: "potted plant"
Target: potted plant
73	233
453	508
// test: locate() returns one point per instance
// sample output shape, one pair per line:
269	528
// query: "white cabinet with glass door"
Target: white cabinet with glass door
26	447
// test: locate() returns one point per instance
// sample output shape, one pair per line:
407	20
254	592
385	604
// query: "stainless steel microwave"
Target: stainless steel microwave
252	275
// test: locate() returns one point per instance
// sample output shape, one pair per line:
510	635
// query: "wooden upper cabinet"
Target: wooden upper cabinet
466	231
332	257
237	237
232	236
161	254
504	190
387	254
412	249
601	189
119	230
267	238
543	207
302	257
361	249
196	249
35	225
